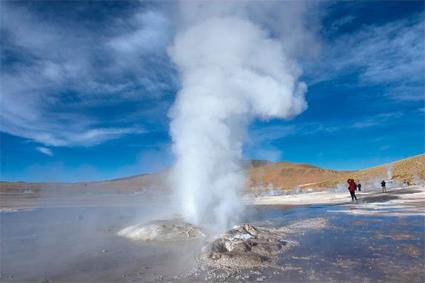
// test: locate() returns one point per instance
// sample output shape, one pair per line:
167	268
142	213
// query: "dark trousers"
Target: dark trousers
353	196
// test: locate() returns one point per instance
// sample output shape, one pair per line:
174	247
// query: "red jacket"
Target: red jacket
351	186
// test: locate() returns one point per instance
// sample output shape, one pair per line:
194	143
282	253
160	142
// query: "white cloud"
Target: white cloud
393	52
340	23
54	92
84	138
151	33
391	55
45	150
263	137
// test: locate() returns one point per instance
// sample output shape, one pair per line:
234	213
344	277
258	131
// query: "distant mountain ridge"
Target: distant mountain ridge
261	176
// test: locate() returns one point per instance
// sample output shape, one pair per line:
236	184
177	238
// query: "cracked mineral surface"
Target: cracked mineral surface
246	246
249	246
162	230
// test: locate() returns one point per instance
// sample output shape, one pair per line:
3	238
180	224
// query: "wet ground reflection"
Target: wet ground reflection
81	245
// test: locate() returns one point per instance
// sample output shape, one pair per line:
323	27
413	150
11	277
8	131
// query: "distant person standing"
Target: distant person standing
352	189
359	186
383	185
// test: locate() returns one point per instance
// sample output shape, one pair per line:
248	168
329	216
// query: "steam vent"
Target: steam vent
162	230
246	246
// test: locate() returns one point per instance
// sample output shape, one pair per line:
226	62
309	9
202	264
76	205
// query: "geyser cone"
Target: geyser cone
162	230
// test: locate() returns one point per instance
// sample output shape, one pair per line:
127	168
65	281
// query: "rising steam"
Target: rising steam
231	72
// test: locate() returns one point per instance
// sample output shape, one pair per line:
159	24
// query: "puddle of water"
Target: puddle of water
80	245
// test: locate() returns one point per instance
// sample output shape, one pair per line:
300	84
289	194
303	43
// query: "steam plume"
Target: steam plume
231	72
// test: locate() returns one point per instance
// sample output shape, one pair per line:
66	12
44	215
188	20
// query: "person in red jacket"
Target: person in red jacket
352	188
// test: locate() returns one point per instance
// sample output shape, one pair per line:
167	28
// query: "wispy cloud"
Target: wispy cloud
149	33
384	147
262	137
45	150
377	120
389	55
59	83
84	138
340	23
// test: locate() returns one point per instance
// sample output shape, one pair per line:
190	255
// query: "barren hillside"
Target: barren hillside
286	176
280	175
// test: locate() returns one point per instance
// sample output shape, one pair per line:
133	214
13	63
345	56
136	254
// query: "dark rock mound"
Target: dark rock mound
246	246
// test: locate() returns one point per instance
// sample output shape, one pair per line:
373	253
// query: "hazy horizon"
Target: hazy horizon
167	168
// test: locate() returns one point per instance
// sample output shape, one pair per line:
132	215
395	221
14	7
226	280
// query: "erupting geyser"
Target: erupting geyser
231	71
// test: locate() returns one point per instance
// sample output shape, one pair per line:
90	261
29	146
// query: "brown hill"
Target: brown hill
286	176
409	170
262	174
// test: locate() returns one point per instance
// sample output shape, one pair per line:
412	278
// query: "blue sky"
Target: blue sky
86	88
